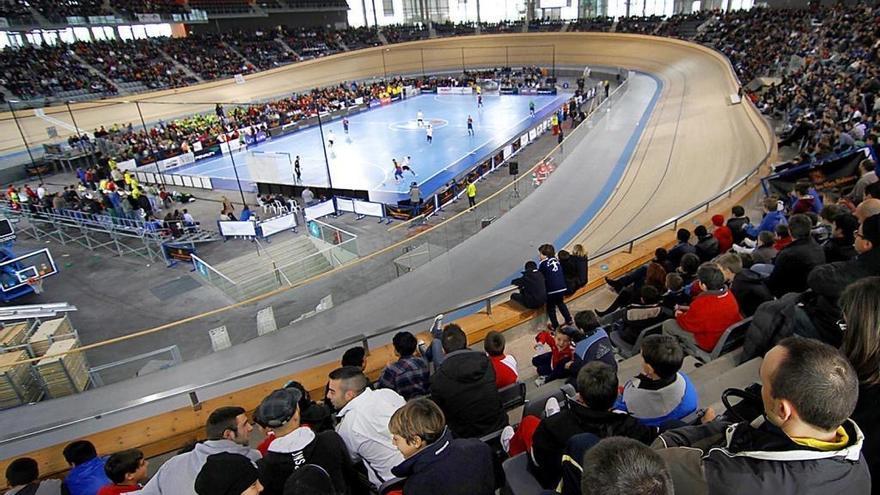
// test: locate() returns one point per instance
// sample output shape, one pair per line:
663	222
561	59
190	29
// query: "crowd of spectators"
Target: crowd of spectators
133	61
361	37
132	7
602	24
546	25
31	72
16	12
311	42
399	33
499	27
60	10
260	48
206	54
639	24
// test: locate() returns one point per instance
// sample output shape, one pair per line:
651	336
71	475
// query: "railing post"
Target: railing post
675	224
630	248
488	305
194	400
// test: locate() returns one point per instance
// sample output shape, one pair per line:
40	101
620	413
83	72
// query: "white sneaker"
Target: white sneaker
551	407
540	381
506	435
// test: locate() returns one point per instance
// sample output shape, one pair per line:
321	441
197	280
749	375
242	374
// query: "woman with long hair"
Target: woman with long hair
860	304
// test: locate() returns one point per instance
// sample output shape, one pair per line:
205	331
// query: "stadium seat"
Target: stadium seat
513	395
628	350
518	480
731	339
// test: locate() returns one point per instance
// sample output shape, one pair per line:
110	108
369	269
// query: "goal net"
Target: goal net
270	166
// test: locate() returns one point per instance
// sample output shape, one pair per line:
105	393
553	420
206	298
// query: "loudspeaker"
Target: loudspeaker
513	167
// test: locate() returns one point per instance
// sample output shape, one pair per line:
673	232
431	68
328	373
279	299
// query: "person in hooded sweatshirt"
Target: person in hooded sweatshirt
464	388
436	463
87	475
23	474
228	430
296	445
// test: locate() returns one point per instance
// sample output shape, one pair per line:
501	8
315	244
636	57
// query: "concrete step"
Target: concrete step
710	388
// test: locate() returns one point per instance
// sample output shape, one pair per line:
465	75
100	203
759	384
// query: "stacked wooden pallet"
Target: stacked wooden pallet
13	334
48	332
17	384
63	375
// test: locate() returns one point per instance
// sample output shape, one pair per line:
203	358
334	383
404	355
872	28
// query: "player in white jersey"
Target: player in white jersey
420	119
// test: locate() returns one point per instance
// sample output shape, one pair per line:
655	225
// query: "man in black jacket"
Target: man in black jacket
746	285
805	445
707	245
682	248
794	262
597	386
296	446
828	281
737	223
464	388
532	291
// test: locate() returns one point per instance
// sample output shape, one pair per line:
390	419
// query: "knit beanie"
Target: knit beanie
717	220
309	479
225	474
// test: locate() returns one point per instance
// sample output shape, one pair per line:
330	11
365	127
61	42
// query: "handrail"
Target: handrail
205	263
188	389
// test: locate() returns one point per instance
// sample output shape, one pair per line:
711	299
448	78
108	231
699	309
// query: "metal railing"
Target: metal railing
363	339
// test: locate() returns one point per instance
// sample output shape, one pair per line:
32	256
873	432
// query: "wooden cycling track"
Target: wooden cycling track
695	143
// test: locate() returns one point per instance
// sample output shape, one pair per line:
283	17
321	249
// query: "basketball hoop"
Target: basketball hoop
36	284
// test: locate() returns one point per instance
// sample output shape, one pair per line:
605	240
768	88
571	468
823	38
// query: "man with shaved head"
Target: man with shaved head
867	208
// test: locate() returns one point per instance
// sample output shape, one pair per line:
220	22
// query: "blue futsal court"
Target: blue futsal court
361	160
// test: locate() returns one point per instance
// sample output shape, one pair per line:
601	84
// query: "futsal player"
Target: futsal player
429	133
407	166
479	100
470	123
330	138
345	124
296	169
398	171
531	108
420	119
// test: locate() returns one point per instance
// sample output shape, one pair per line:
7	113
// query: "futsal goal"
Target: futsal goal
271	166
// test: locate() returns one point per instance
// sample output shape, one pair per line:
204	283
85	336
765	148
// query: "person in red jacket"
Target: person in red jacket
552	365
504	364
126	469
722	233
700	325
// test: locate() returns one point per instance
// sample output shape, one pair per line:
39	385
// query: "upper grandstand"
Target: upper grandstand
814	73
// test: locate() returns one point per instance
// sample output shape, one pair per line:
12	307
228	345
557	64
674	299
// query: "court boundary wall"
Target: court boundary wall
166	431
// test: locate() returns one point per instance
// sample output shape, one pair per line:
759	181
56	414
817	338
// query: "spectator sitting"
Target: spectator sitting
804	201
532	291
552	364
737	223
591	343
228	431
860	304
363	421
690	263
773	216
570	271
840	246
296	444
827	282
23	474
313	415
504	364
409	375
722	233
700	325
590	413
660	394
246	214
682	248
87	474
126	469
793	264
623	466
675	294
783	237
229	474
867	208
639	316
805	440
653	274
435	462
746	285
581	264
868	177
707	246
464	388
764	253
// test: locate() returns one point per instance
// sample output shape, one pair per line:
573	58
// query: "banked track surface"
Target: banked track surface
693	145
